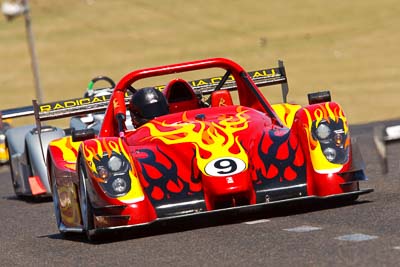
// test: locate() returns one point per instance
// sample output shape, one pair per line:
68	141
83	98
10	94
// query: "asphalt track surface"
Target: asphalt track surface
365	233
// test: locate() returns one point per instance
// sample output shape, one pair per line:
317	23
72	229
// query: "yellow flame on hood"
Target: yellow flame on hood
217	138
286	112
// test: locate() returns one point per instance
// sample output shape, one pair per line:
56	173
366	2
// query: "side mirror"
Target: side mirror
319	97
82	135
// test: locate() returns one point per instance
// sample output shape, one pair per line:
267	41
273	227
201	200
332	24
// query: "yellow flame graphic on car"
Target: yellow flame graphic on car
286	112
217	138
103	147
69	151
324	112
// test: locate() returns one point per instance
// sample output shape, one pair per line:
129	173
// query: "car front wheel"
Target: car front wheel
85	205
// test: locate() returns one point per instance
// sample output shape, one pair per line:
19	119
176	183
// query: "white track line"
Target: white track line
303	228
356	237
258	221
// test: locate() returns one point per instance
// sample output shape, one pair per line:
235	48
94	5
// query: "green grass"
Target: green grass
350	47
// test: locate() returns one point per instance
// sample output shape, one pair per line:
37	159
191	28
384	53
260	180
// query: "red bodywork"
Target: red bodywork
198	159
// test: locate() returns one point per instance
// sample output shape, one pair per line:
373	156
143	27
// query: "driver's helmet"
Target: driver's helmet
91	117
147	104
93	120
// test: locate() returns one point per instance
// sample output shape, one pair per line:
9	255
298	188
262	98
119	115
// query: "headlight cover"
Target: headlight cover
114	174
330	154
332	138
323	131
119	185
114	164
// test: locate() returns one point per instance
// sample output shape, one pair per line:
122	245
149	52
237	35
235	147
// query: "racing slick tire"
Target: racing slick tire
56	200
84	203
351	199
13	181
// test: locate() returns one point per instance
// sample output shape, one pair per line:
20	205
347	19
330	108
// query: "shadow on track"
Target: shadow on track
28	199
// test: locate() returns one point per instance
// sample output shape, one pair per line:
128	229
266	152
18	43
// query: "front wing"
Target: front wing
221	213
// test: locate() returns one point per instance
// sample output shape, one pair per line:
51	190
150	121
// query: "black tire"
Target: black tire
13	181
350	199
56	199
84	203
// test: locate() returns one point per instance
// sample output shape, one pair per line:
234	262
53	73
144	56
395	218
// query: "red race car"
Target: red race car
196	148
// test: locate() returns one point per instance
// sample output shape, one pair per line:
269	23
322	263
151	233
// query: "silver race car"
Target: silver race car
27	164
385	135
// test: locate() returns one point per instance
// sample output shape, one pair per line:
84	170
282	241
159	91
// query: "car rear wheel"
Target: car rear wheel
85	205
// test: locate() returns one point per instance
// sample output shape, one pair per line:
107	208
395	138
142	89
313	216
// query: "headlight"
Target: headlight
114	164
113	171
323	131
333	140
119	185
330	154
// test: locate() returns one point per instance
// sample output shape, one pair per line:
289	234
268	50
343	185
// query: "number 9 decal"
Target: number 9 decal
225	166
